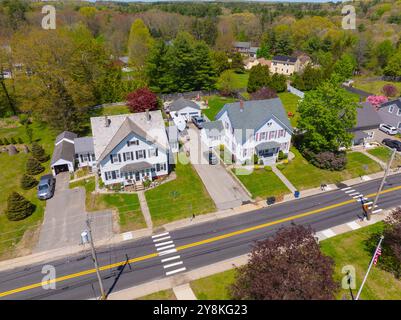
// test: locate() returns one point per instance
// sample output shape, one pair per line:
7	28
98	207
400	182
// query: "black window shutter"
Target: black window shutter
157	152
132	156
119	158
82	159
136	154
111	158
144	154
105	175
124	156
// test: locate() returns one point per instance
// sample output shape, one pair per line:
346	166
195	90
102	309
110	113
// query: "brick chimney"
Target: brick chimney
241	105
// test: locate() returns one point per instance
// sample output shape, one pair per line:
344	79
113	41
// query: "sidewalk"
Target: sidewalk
145	209
283	178
141	233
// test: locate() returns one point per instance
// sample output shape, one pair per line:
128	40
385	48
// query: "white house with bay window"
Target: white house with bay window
246	128
131	148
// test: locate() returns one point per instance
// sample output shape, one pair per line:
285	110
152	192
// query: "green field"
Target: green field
127	205
304	175
290	103
179	198
216	103
374	87
384	153
240	80
214	287
12	168
261	183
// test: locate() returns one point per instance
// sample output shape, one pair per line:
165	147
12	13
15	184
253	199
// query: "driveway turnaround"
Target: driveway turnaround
131	263
225	191
65	218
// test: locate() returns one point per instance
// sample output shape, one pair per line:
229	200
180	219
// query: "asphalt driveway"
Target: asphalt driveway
65	218
225	191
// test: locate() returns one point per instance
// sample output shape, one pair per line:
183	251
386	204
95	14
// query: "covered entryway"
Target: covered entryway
60	168
268	151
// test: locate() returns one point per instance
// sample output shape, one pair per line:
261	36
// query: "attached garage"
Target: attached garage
185	108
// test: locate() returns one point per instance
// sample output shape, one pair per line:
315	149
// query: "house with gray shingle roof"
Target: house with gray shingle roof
368	121
185	108
85	152
258	127
63	158
131	148
390	113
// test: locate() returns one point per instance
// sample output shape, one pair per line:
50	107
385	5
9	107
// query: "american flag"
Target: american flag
377	255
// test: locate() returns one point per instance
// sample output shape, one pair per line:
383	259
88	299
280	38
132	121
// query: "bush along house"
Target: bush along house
131	149
256	127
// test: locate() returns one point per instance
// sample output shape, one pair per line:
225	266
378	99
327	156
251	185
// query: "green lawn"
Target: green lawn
384	153
130	214
240	80
349	249
114	110
215	105
12	168
179	198
215	287
160	295
261	183
290	103
374	87
304	175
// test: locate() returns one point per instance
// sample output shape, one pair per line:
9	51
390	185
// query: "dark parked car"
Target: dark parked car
394	144
198	121
46	187
212	158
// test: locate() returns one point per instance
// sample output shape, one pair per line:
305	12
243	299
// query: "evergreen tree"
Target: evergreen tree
13	141
259	77
28	182
139	43
6	142
39	153
33	167
18	207
20	141
205	75
1	142
278	82
156	68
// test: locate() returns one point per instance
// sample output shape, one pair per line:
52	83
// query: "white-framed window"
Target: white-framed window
399	126
154	152
140	154
399	112
114	158
391	108
133	142
128	156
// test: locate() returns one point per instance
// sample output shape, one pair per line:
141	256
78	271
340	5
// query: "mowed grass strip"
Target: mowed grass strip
261	183
215	104
160	295
179	198
304	175
384	154
127	205
290	102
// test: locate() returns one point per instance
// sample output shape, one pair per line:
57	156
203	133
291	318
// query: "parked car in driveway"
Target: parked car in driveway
394	144
212	158
388	129
198	121
46	187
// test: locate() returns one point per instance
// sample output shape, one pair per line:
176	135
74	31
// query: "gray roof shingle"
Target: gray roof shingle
287	59
367	117
66	135
84	145
242	44
255	114
182	103
63	151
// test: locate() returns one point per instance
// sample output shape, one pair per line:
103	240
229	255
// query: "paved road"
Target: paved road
65	218
225	191
196	246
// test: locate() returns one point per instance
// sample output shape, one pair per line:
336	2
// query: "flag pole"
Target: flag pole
370	266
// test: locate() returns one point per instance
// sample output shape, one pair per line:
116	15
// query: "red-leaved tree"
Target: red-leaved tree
286	266
376	100
263	93
142	99
389	90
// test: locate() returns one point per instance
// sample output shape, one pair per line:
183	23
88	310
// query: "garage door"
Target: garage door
61	168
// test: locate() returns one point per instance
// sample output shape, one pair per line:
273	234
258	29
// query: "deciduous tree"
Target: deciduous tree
142	99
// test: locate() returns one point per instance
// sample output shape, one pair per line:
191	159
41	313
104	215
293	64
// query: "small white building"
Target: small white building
185	108
85	152
63	157
247	128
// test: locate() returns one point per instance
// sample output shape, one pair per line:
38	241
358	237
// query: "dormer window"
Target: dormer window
399	112
391	109
133	142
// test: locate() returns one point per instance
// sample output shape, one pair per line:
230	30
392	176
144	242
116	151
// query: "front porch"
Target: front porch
137	173
268	152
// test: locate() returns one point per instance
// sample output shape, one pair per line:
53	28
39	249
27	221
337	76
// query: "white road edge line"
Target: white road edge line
175	271
165	247
171	258
163	243
172	264
160	235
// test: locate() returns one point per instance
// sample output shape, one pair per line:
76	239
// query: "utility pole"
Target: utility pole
370	266
390	161
103	295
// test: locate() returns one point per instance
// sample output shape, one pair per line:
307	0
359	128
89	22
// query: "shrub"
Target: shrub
389	90
334	161
268	168
280	166
20	141
28	182
1	142
282	155
13	141
39	153
6	142
263	93
33	167
18	207
255	159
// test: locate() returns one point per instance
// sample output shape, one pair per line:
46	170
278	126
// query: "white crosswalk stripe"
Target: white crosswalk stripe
163	243
175	271
160	235
172	264
161	239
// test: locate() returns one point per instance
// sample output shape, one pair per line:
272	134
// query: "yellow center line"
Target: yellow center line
191	245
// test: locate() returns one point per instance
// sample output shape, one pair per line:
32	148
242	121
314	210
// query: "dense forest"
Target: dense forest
175	47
